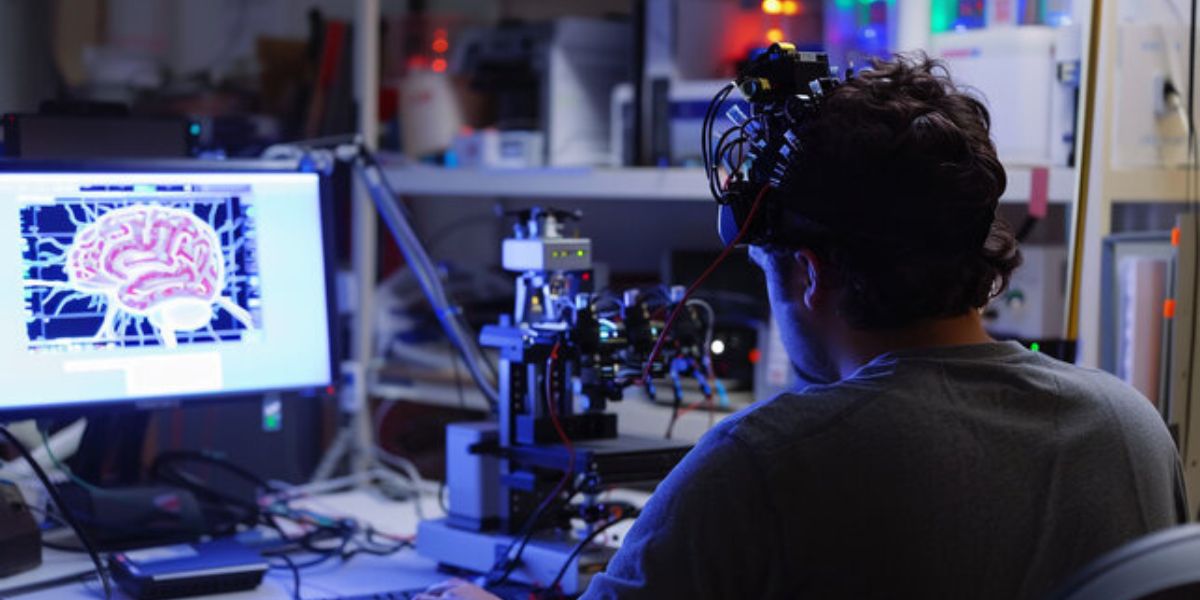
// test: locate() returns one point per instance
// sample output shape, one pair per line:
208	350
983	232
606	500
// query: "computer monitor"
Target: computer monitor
181	280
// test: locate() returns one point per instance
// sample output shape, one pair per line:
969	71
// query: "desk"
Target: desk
361	575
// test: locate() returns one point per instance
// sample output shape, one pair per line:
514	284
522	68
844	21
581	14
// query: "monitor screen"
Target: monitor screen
135	286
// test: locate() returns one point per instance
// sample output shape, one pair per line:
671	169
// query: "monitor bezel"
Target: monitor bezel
185	167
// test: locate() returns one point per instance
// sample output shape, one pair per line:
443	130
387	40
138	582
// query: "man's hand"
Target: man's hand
455	589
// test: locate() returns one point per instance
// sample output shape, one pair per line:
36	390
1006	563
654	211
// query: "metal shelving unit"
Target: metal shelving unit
636	183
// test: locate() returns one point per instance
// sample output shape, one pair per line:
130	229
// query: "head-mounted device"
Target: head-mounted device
784	88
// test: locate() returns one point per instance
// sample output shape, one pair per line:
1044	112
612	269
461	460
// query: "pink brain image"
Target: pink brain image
161	263
147	256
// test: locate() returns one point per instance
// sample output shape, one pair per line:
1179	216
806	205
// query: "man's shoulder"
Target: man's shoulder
1123	406
911	384
795	415
1097	389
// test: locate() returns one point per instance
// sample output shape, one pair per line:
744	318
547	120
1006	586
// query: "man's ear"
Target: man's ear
808	278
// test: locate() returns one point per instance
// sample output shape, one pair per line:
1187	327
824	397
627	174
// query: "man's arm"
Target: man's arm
709	531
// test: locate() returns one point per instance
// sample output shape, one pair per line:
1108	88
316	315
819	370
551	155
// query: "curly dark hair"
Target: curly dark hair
897	191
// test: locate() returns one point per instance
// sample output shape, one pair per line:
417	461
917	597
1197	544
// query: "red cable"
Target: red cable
562	433
707	401
662	337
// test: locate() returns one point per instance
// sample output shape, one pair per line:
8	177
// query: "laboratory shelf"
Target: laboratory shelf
668	184
634	183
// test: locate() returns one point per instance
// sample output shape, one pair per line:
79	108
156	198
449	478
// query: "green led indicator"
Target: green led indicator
272	413
1036	347
579	253
194	129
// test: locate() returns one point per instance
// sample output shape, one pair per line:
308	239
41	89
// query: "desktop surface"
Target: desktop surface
364	576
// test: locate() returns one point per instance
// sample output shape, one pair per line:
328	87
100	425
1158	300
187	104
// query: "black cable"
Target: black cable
214	460
45	514
740	130
721	149
163	470
1191	99
62	508
384	549
38	586
346	548
1026	228
62	548
705	132
291	564
526	534
319	560
308	543
565	484
341	530
579	549
738	144
706	139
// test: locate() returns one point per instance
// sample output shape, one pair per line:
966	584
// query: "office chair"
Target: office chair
1161	566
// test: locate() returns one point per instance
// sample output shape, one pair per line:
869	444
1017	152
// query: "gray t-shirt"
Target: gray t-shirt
983	471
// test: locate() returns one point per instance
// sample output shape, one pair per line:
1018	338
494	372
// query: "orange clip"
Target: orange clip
1168	309
1175	237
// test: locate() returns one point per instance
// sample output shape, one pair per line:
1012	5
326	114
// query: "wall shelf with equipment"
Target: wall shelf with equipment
673	184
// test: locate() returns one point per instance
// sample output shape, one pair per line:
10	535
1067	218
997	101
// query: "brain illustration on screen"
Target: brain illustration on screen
139	273
161	263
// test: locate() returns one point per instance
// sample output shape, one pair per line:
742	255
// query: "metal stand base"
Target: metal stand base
354	445
540	562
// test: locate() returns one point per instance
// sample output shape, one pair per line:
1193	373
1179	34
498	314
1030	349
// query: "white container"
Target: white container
430	116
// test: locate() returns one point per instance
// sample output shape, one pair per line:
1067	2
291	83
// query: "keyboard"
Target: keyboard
392	595
506	592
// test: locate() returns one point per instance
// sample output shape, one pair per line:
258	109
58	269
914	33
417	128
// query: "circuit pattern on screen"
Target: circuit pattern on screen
134	272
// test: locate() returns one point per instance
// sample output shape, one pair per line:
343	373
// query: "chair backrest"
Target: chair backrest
1163	565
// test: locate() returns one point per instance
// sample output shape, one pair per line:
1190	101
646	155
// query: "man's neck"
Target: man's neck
861	347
